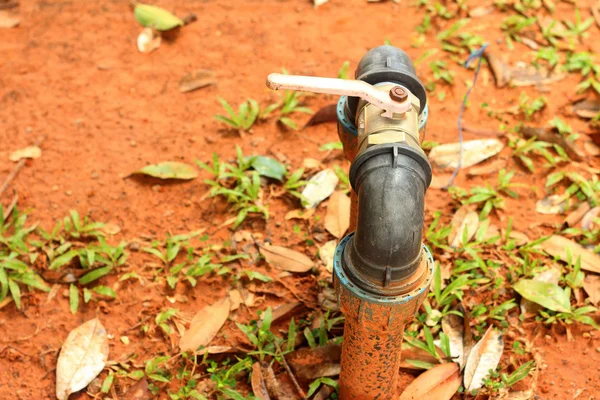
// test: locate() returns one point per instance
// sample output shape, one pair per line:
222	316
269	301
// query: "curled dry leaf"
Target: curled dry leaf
474	152
591	285
453	327
557	246
27	152
577	215
259	387
139	391
326	254
148	40
286	259
325	114
320	187
438	383
197	80
8	21
283	310
588	221
551	275
553	204
205	325
169	170
82	357
311	363
586	108
337	219
463	219
484	357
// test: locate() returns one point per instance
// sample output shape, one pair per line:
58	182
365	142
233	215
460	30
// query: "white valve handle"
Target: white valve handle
341	87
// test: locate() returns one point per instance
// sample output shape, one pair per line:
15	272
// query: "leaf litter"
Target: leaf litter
337	219
438	383
320	187
286	259
205	325
484	357
82	357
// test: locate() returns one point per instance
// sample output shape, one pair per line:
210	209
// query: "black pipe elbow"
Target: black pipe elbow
391	181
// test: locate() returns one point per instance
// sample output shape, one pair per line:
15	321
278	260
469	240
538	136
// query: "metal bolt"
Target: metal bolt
399	94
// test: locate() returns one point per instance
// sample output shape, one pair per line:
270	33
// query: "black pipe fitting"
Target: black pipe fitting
387	64
391	181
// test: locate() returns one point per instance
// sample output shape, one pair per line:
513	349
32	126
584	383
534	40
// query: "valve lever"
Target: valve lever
341	87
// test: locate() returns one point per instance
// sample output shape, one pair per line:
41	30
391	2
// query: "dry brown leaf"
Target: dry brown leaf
473	152
553	204
523	74
235	299
325	114
586	108
286	259
440	181
499	68
438	383
259	387
8	20
311	363
82	357
320	187
484	357
487	169
148	40
205	325
588	221
337	219
576	215
197	80
557	246
327	253
283	310
300	214
551	137
480	11
453	327
591	285
311	164
464	218
139	391
30	152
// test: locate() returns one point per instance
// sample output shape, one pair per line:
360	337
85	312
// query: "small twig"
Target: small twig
289	371
11	206
18	167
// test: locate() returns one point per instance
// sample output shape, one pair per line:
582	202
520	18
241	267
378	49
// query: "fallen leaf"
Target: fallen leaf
283	310
259	387
110	228
325	114
548	295
591	285
553	204
169	170
139	391
286	259
453	327
311	164
269	167
320	187
8	20
82	357
205	325
551	275
464	218
326	254
196	80
487	169
519	238
557	246
300	214
586	108
481	11
337	219
155	17
148	40
577	215
31	152
438	383
440	181
473	152
311	363
591	148
588	221
484	357
546	135
235	299
524	74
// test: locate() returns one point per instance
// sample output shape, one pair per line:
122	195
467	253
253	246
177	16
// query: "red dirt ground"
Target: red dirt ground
71	71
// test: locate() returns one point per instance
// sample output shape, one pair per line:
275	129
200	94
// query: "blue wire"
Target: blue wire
475	55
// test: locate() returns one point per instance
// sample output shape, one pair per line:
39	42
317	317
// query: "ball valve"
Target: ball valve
382	270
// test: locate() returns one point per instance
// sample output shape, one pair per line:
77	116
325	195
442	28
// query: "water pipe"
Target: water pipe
382	270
